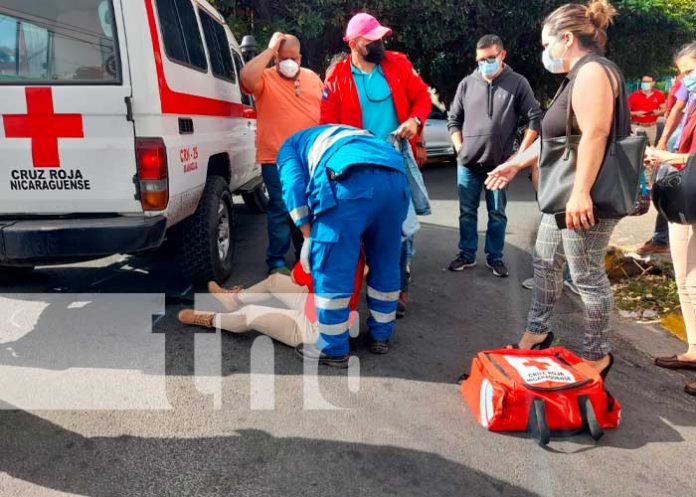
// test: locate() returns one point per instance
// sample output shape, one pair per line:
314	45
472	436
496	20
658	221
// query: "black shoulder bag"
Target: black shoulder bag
616	189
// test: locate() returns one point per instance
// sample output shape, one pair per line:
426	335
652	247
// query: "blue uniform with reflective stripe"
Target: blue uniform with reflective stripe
353	188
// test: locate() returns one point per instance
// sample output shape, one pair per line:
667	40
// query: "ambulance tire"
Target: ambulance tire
15	272
257	199
199	237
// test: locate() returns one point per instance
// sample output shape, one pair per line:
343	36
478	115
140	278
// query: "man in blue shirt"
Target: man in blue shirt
343	186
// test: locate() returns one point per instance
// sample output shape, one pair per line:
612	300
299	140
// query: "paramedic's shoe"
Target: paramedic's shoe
309	351
461	263
379	347
498	269
226	296
192	318
402	305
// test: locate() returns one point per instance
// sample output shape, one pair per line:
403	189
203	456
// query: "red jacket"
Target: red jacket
303	279
340	102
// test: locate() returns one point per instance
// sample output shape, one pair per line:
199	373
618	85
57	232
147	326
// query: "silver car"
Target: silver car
437	138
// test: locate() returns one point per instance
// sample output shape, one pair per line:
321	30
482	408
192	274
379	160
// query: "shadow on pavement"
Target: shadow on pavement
249	462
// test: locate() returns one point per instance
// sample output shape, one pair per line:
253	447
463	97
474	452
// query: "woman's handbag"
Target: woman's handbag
674	192
616	189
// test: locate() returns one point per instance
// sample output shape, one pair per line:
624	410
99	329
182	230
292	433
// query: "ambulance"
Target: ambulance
122	124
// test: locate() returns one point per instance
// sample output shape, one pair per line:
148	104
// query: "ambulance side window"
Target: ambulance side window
218	48
180	33
238	64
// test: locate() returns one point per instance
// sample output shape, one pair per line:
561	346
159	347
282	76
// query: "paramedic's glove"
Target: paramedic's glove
304	255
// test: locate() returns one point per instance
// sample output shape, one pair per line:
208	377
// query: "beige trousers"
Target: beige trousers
682	242
650	130
287	324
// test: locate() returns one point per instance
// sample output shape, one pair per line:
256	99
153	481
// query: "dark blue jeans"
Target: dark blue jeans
661	235
469	185
279	223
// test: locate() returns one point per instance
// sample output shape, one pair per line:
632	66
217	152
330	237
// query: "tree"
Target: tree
440	35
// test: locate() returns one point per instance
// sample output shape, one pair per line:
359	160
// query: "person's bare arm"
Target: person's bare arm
530	137
672	122
252	72
593	104
502	175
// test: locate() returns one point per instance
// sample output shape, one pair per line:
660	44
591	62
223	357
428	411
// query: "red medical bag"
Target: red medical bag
543	392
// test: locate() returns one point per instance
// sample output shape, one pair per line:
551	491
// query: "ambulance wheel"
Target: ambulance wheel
257	199
15	272
206	239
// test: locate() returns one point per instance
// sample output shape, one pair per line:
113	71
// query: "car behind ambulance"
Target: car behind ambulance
121	123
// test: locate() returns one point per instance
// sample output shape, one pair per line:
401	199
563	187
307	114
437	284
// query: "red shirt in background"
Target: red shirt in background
640	101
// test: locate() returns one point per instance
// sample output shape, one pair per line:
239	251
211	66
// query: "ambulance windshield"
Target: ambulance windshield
50	41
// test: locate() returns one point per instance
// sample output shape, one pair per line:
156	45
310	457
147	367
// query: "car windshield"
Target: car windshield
50	41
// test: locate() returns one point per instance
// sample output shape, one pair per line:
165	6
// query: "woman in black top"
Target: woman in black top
574	39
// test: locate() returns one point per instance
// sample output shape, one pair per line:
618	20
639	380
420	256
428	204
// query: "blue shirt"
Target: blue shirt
376	102
304	158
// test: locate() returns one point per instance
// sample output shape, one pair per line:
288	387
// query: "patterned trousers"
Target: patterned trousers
585	251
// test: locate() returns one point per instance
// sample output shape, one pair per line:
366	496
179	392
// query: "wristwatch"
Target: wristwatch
418	121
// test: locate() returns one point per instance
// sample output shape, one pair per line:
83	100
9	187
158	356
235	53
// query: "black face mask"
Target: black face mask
375	52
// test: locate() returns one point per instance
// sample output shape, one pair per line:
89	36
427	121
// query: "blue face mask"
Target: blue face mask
646	87
690	82
554	66
489	69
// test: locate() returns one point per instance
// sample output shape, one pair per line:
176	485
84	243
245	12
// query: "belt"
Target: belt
643	125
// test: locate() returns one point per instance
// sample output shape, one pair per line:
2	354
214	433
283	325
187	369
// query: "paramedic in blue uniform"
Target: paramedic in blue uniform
343	187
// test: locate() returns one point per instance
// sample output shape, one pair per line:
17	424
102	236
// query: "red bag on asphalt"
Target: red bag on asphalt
543	392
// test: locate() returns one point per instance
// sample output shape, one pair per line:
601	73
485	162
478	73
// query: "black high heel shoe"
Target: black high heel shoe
545	344
548	341
603	373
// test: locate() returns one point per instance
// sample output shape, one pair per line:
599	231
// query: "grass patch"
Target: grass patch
649	296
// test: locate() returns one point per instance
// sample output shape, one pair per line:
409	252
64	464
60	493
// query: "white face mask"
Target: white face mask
289	68
554	66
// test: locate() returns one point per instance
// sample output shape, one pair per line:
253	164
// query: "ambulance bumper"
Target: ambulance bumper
46	241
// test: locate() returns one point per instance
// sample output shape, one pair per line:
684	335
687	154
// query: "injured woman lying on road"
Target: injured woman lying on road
293	319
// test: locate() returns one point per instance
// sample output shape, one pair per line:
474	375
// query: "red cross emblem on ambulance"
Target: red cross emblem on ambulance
43	126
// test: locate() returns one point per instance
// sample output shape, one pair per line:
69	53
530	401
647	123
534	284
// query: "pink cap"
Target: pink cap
365	26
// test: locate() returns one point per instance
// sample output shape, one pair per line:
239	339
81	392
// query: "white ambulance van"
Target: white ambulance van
122	123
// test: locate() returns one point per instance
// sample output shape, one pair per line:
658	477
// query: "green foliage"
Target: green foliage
439	36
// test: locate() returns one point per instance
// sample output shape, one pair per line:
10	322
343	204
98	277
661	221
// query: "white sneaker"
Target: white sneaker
528	284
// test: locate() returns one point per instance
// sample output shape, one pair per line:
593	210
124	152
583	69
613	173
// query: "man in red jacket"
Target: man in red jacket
377	90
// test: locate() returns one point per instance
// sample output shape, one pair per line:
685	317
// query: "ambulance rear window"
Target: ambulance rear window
58	41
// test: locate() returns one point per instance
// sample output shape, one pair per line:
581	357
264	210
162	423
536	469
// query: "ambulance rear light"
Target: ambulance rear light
151	156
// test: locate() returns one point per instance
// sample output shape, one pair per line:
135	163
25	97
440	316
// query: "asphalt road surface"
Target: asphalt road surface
105	394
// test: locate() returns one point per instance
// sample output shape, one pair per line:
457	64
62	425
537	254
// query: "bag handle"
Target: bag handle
589	418
538	426
611	74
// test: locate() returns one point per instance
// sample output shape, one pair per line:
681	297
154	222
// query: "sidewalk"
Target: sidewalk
629	235
634	231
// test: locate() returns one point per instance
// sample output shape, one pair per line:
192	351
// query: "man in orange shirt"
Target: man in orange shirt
288	98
